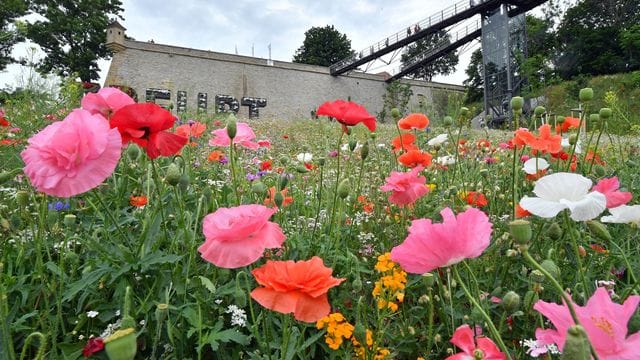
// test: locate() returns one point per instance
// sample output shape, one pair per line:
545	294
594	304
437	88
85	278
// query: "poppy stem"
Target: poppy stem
335	188
576	249
232	162
474	302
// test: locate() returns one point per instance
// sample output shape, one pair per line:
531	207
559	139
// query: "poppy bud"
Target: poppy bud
322	161
631	163
232	127
598	229
539	110
173	174
161	313
395	114
594	118
605	113
356	285
373	135
429	279
576	345
284	160
284	181
582	251
573	139
537	276
551	267
278	198
360	333
352	144
554	231
585	95
22	197
69	220
521	231
121	345
599	170
301	168
258	187
447	121
364	152
511	302
517	102
344	189
464	112
240	297
133	152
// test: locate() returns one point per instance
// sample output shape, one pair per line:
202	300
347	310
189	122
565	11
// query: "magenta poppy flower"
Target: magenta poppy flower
347	113
430	246
72	156
604	321
463	338
106	101
406	187
609	187
237	236
244	137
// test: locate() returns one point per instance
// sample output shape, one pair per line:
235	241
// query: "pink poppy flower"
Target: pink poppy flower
406	187
244	137
106	101
236	237
463	338
429	246
72	156
609	187
604	321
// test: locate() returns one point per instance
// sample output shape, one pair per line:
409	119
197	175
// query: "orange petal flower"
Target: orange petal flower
569	123
270	200
414	121
414	158
215	155
298	287
404	142
476	199
138	201
544	142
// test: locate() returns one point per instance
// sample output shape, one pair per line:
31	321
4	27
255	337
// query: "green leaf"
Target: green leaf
225	336
158	257
89	280
208	284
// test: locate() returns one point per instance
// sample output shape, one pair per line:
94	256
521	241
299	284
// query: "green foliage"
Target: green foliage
444	65
397	95
323	46
9	34
73	35
475	78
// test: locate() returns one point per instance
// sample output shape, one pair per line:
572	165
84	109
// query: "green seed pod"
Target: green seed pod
605	113
356	285
517	102
278	198
240	298
22	197
344	189
184	182
511	302
232	127
284	181
301	169
69	220
258	188
573	139
173	174
631	163
539	110
161	313
133	152
599	230
576	345
594	119
537	276
360	333
447	121
521	231
586	95
352	144
464	112
364	151
284	160
554	231
373	135
551	267
395	114
429	279
121	345
599	170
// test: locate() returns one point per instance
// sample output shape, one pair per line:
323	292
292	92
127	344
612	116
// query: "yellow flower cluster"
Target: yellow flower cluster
389	289
360	351
338	328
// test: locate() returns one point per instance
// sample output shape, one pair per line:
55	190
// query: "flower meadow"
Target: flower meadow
130	232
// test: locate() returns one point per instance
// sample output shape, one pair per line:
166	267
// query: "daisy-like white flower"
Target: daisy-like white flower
304	157
560	191
533	165
438	140
446	160
624	214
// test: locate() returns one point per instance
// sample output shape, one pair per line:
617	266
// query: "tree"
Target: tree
475	78
9	34
323	46
443	65
541	43
73	35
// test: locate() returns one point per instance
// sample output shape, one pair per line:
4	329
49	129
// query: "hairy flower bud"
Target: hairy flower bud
133	152
22	197
521	231
173	174
344	189
447	121
599	230
232	127
395	114
69	220
576	345
517	102
550	266
554	231
586	95
364	152
511	302
539	111
258	187
121	345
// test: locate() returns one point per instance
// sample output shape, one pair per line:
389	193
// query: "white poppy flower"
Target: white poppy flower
565	144
446	160
533	165
560	191
623	214
304	157
345	147
438	140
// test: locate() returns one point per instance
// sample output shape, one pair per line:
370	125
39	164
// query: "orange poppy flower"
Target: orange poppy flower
194	129
404	142
483	144
215	155
270	200
521	212
569	123
414	121
138	201
476	199
544	142
298	287
414	158
595	157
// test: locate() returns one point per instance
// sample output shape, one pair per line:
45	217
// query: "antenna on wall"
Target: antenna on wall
269	61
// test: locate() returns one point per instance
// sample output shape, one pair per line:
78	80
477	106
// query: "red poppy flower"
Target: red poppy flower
266	165
414	121
521	212
3	122
569	123
404	142
215	155
414	158
194	129
93	346
138	201
145	125
476	199
347	113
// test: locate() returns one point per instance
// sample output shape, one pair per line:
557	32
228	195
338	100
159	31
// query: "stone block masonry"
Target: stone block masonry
291	90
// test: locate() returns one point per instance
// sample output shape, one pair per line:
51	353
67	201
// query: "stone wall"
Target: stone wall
292	90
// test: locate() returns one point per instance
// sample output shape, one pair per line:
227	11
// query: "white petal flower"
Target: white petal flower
92	314
304	157
560	191
533	165
623	214
565	144
438	140
446	160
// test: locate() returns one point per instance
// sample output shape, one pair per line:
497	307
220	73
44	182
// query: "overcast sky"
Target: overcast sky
223	25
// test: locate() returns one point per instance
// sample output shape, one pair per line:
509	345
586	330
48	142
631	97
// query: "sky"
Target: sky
224	25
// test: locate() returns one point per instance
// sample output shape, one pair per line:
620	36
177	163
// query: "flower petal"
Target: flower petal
541	207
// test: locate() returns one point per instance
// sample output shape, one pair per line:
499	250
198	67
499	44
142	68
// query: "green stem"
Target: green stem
156	180
107	210
234	178
41	348
576	250
335	188
6	341
492	327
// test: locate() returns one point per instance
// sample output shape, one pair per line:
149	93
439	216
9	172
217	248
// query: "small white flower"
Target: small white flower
623	214
438	140
533	165
304	157
560	191
446	160
91	314
142	322
238	316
